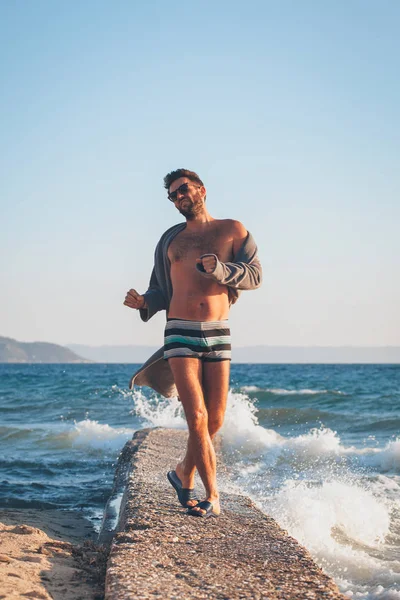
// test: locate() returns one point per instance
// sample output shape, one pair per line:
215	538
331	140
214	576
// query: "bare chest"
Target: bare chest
191	246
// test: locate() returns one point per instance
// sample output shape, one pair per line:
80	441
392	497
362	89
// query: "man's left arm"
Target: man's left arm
244	272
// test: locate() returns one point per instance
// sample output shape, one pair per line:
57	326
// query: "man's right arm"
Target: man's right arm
150	302
134	300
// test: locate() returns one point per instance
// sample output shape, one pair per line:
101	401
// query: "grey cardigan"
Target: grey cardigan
244	273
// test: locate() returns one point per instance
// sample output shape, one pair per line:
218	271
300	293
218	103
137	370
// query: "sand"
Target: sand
51	555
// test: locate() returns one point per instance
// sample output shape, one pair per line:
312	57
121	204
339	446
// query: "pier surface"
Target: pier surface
157	551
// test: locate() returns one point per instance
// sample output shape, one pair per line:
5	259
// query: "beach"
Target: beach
49	554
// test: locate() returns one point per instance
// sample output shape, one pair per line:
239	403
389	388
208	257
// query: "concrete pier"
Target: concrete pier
157	551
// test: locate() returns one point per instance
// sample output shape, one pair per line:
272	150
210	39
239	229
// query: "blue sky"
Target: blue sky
289	111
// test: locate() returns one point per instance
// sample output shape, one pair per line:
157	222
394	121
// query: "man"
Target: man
200	267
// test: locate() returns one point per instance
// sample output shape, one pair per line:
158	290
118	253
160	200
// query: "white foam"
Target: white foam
158	413
390	456
307	483
344	526
311	512
114	508
375	593
241	427
316	444
242	430
285	392
386	459
250	388
99	436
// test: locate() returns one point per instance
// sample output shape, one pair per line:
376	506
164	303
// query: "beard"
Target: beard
193	206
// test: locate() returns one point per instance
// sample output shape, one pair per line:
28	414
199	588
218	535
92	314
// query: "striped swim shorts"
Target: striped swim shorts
206	340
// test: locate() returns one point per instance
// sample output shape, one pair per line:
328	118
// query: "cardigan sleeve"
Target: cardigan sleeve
238	275
154	298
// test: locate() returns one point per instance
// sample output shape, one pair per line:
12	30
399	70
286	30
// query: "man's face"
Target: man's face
189	202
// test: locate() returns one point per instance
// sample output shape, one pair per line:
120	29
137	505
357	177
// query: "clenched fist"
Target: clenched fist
208	261
134	300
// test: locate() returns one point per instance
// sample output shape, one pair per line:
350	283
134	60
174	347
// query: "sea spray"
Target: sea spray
389	458
99	436
158	413
320	491
241	426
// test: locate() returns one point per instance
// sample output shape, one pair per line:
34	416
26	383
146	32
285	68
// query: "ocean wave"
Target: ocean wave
12	433
379	425
344	526
17	467
122	391
285	392
242	431
241	428
99	436
158	413
320	490
386	459
292	415
88	434
250	388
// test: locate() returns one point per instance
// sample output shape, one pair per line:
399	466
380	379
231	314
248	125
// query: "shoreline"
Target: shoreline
50	554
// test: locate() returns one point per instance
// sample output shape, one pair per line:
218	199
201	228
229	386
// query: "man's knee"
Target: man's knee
215	424
197	420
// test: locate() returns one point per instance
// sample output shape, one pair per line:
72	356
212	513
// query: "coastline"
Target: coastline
50	554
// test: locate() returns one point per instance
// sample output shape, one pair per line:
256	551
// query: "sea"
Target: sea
317	447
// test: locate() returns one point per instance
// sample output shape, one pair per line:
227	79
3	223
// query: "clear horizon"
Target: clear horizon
289	113
42	352
71	344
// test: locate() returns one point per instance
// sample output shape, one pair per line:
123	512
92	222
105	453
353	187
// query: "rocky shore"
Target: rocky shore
157	551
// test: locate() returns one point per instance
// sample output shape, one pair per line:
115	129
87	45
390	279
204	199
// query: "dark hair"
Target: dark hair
174	175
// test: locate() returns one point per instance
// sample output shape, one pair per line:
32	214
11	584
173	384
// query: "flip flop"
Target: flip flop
205	505
184	494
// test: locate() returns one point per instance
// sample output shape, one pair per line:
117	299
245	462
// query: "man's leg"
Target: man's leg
215	386
188	376
215	390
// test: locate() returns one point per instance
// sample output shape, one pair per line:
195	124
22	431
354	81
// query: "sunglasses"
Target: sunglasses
182	189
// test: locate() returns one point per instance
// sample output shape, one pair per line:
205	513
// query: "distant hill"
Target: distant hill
114	354
256	354
12	351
